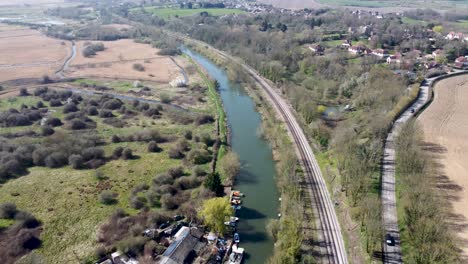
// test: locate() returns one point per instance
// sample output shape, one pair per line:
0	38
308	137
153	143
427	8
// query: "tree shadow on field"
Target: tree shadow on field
447	189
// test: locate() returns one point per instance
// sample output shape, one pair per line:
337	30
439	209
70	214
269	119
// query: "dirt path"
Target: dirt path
445	126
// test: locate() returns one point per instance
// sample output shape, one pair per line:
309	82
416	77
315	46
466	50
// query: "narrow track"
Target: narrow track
330	228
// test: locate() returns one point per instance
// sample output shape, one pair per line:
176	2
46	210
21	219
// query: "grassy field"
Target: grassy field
411	21
172	12
66	200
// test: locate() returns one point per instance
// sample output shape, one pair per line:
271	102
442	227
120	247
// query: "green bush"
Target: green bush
107	197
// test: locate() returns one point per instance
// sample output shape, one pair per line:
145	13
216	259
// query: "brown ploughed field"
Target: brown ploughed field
445	126
29	54
118	58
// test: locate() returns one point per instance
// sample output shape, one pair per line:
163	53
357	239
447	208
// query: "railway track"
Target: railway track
329	225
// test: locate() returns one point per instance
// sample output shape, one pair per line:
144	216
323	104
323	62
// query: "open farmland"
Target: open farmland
29	2
118	58
29	54
445	129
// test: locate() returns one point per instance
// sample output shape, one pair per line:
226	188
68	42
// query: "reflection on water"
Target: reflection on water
257	176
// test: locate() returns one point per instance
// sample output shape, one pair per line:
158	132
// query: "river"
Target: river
257	175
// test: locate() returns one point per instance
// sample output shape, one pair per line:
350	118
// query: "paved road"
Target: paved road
328	222
392	254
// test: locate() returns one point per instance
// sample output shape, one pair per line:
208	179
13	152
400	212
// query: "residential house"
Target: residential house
120	258
317	48
395	58
437	53
346	44
356	49
382	53
187	244
431	65
455	36
461	62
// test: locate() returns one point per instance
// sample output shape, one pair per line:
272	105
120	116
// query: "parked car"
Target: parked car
164	225
236	238
178	217
389	240
412	110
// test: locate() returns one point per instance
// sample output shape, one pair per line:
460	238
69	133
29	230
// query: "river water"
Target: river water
257	175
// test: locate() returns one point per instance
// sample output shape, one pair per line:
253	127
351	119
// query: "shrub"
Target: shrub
127	154
188	135
91	49
138	67
132	246
154	199
140	188
148	135
77	124
23	92
137	202
46	79
40	104
70	108
169	52
187	182
92	111
56	160
27	220
40	90
76	161
162	179
99	175
159	218
153	147
206	138
8	210
152	112
199	156
204	119
55	103
183	145
117	153
199	171
92	153
113	104
175	153
168	202
53	122
176	172
13	118
143	107
39	155
165	98
115	139
105	113
47	131
107	197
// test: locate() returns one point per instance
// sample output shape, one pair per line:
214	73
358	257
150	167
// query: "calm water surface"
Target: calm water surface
257	176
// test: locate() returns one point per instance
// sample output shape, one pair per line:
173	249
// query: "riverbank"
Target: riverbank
295	235
258	167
